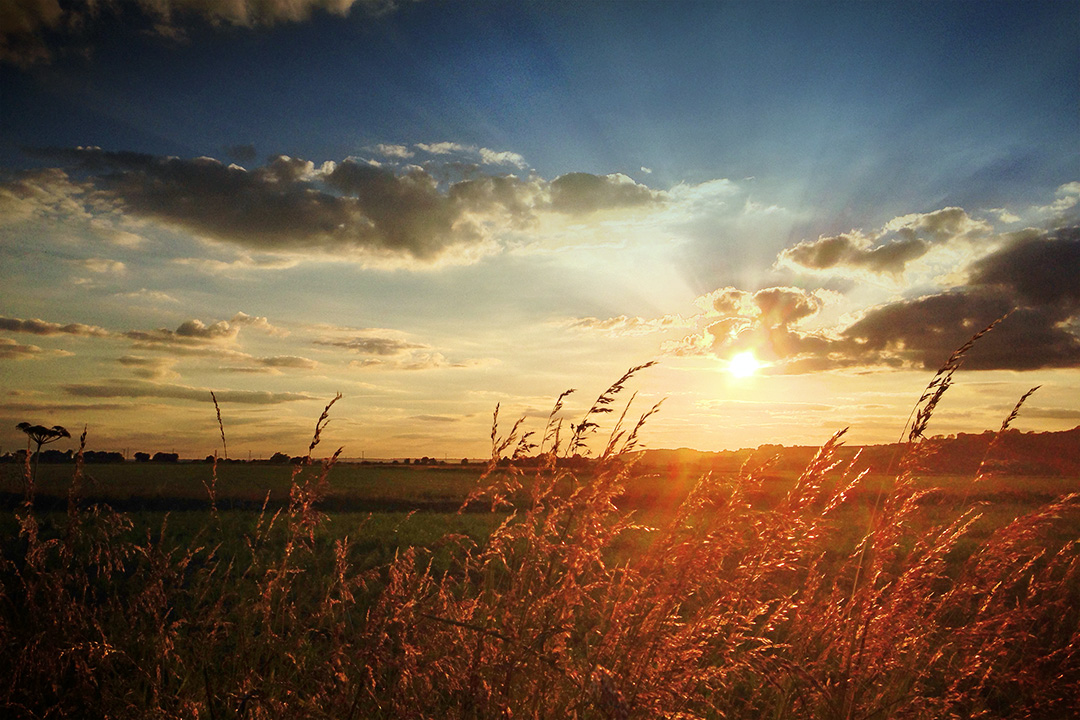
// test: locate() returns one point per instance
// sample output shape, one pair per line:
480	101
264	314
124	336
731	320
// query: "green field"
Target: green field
386	507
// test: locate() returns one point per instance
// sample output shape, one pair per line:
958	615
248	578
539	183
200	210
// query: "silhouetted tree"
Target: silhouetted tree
142	457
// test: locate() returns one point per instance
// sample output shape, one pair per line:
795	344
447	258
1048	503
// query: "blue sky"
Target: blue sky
492	201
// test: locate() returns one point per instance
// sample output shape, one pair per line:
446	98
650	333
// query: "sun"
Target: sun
743	365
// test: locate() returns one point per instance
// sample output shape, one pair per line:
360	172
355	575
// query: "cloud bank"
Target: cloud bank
1029	277
355	209
32	31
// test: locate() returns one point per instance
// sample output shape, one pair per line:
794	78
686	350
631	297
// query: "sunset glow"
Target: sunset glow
533	197
743	365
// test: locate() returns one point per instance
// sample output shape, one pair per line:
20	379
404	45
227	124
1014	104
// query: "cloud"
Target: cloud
394	151
1052	413
145	294
485	156
763	322
1067	199
580	193
1030	278
288	361
41	327
416	361
242	263
494	157
138	389
357	210
401	213
290	205
626	326
191	333
200	331
46	193
1039	269
32	31
889	251
442	148
258	323
924	331
381	346
1034	276
102	265
151	368
11	350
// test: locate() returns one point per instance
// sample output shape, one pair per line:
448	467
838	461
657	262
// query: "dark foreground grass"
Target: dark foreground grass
829	595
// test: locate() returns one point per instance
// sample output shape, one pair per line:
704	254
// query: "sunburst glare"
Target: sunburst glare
744	364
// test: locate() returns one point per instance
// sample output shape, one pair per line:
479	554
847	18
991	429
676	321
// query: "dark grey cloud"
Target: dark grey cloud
1036	277
578	193
359	209
1038	269
400	212
33	31
290	205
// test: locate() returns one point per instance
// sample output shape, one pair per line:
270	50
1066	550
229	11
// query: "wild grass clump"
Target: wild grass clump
571	608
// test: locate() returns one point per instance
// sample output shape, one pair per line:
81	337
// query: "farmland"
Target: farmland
627	586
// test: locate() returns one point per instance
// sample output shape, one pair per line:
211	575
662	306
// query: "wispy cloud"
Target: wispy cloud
102	266
151	368
627	326
372	345
137	389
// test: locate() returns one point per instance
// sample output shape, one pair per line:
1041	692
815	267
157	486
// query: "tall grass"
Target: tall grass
572	608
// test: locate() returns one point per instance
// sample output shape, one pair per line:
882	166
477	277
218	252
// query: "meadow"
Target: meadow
537	587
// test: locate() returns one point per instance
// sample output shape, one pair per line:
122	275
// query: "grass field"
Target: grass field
323	591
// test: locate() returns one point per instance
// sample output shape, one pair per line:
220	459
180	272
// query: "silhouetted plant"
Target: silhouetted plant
41	435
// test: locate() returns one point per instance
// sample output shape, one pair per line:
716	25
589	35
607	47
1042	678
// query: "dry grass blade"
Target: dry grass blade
1000	434
221	425
587	426
941	382
320	425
